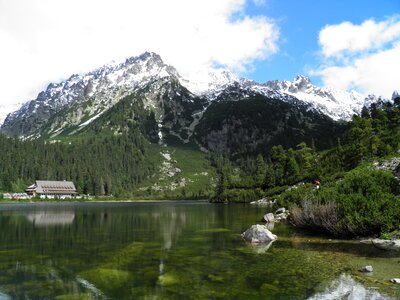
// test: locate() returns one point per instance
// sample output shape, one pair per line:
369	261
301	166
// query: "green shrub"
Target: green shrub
365	201
385	236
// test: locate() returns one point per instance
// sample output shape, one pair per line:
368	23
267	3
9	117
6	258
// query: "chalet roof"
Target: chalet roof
44	186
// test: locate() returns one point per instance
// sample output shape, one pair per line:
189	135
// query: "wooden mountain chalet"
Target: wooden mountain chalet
52	189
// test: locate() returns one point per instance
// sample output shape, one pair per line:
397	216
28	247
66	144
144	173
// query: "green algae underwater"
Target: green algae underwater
176	250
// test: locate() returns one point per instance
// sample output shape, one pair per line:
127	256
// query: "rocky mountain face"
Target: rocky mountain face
254	124
81	99
220	113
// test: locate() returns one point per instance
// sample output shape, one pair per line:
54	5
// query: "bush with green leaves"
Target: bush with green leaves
364	202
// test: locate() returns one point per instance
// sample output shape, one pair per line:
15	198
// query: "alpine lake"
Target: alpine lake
177	250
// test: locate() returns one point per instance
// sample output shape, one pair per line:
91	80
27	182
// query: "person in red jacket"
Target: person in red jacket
316	184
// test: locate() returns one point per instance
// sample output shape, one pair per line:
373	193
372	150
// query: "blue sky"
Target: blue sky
345	44
300	22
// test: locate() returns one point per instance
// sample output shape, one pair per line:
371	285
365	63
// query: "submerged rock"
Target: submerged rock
367	269
395	280
261	248
345	287
258	234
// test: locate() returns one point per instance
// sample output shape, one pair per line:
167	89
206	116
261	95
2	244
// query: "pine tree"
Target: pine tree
260	170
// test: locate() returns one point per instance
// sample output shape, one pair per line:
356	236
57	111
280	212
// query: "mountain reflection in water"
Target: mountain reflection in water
173	250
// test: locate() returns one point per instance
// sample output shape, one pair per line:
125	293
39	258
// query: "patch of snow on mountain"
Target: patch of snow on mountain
101	89
91	120
206	82
89	95
6	109
339	105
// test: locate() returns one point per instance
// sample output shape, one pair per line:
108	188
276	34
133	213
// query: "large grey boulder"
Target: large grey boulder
258	234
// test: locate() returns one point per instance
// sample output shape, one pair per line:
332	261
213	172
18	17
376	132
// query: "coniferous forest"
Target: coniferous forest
99	165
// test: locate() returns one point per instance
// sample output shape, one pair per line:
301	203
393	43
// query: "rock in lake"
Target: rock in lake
269	217
367	269
281	214
264	202
393	245
261	248
395	280
258	234
281	217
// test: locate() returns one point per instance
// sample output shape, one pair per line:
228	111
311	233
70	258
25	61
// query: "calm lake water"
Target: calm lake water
176	250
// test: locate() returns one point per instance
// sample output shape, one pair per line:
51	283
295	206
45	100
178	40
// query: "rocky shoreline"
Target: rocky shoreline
261	236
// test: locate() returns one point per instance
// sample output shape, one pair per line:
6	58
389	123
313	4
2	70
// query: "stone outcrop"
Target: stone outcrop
392	165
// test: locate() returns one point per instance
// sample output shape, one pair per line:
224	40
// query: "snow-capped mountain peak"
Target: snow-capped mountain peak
102	88
209	81
335	103
83	98
302	83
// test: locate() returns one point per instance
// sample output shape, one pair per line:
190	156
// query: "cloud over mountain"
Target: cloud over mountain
363	56
49	39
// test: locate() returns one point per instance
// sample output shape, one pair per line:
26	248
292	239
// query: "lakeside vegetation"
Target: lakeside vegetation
355	197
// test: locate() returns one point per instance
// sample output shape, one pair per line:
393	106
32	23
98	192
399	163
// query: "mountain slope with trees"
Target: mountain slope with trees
356	196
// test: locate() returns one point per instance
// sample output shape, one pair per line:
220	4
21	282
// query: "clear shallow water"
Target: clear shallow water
175	250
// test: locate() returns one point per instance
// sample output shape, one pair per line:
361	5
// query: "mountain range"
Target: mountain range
138	128
187	110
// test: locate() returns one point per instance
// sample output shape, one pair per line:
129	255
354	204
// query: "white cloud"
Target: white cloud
364	57
346	37
47	40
